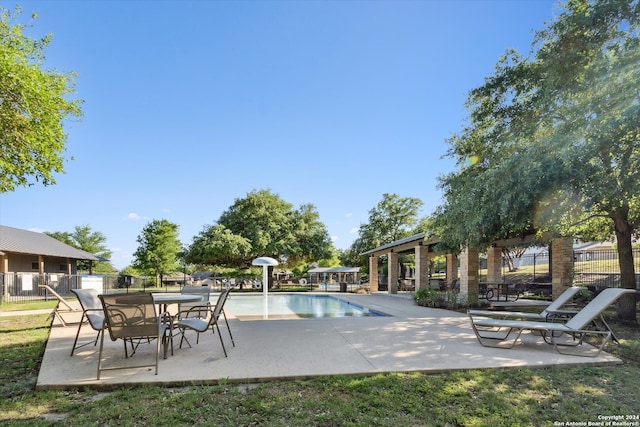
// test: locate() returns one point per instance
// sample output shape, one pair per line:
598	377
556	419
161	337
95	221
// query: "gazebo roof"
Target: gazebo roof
334	270
403	245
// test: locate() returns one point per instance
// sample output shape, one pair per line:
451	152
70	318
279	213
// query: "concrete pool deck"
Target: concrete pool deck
414	339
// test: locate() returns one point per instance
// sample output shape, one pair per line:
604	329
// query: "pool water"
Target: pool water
292	306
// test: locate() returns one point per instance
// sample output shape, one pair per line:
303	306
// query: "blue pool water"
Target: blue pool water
291	306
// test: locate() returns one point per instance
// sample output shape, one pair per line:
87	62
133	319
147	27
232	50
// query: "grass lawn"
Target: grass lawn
498	397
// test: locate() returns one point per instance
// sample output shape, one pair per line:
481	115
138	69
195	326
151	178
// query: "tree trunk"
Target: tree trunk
506	255
626	304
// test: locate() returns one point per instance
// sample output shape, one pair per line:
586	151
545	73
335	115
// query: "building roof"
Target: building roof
29	242
334	270
415	238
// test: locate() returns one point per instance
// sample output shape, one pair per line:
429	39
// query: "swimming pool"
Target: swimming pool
293	306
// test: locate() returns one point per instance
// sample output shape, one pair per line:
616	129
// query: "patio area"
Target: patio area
412	338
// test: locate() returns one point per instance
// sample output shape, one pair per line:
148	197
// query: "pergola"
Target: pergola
422	246
417	244
345	274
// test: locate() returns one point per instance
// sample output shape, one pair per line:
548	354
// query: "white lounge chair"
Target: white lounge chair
550	312
491	332
61	301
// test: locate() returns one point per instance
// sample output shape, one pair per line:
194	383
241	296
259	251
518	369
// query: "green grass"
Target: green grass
30	305
499	397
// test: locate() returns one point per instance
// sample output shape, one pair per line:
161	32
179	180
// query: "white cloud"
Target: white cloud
132	217
354	230
349	214
334	238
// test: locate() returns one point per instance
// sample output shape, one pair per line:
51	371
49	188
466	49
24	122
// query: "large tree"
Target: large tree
553	139
261	224
217	245
34	102
393	218
159	248
88	240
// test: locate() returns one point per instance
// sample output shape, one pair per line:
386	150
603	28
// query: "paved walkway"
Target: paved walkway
413	339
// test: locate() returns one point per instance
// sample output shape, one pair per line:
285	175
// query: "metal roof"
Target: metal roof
415	237
29	242
335	270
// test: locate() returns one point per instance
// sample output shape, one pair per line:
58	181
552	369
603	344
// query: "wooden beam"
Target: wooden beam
525	240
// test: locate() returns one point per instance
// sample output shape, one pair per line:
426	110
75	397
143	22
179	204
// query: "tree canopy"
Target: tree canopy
87	240
261	224
34	102
159	248
553	139
393	218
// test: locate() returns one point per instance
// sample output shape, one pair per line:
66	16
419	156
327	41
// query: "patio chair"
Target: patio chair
133	318
194	309
490	332
198	309
201	325
57	312
551	312
91	311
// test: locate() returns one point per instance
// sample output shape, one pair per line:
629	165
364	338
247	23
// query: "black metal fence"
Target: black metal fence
24	287
599	268
595	268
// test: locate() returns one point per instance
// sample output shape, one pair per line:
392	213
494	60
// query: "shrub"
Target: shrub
429	297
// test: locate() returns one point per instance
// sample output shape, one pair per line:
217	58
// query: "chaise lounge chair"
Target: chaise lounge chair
57	312
546	314
490	332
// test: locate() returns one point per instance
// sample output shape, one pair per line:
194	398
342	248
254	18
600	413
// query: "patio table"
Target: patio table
164	299
499	290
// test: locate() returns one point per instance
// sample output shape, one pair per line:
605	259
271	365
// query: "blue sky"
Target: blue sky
189	105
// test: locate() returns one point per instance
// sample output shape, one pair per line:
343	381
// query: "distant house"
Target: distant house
28	252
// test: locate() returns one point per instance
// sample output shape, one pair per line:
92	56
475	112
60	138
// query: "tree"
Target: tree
310	237
159	249
87	240
34	102
332	260
217	245
393	218
261	224
553	139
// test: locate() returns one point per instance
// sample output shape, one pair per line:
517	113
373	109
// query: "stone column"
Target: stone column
393	273
422	267
562	261
373	273
452	268
469	268
494	265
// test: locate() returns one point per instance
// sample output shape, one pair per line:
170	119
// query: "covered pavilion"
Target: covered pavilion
561	263
341	274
